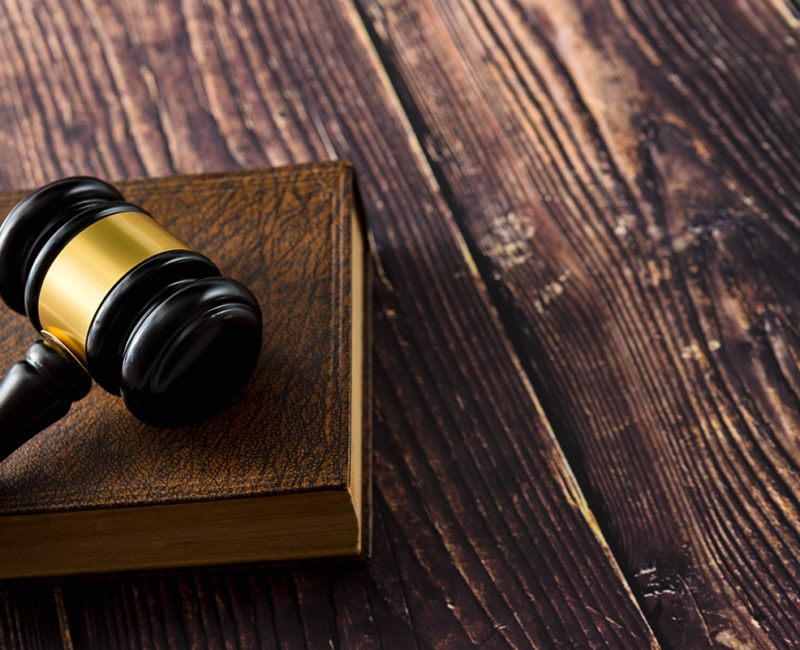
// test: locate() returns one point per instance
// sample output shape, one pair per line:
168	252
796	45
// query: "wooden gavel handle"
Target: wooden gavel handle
37	392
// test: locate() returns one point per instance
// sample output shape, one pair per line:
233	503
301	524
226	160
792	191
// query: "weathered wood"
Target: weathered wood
482	535
625	175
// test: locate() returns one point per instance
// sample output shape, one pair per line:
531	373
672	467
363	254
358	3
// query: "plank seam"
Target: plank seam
481	269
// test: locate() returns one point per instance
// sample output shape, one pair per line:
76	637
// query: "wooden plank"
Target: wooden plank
625	174
482	534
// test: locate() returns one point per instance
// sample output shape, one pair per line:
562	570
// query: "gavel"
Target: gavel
120	300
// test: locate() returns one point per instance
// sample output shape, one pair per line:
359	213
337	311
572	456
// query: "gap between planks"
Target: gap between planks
415	128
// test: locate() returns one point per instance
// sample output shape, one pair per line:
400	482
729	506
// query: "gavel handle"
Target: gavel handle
37	392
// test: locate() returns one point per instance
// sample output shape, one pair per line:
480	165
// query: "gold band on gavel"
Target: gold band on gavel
89	266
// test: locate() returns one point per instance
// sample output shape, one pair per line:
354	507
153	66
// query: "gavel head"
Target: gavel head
147	317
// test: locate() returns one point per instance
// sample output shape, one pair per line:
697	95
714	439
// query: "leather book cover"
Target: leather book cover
294	236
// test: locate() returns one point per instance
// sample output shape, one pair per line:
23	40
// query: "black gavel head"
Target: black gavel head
146	316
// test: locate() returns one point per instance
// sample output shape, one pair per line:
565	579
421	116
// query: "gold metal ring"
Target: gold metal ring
89	266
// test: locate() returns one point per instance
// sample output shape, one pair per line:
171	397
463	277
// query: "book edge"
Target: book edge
259	529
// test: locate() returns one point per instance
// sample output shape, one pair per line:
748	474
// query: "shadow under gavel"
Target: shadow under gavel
120	300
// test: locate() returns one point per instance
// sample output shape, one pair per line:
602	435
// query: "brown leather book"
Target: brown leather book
283	472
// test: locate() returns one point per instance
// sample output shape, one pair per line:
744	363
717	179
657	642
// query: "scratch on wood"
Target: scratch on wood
697	608
330	150
63	621
786	13
467	255
616	624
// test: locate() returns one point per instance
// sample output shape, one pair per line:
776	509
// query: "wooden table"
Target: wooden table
586	224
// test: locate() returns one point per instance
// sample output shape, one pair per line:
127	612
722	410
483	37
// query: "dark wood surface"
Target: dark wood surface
587	359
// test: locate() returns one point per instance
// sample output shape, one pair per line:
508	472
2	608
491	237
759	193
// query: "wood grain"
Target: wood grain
482	535
624	175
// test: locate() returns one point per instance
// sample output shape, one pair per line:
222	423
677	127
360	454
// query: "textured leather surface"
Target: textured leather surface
284	233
